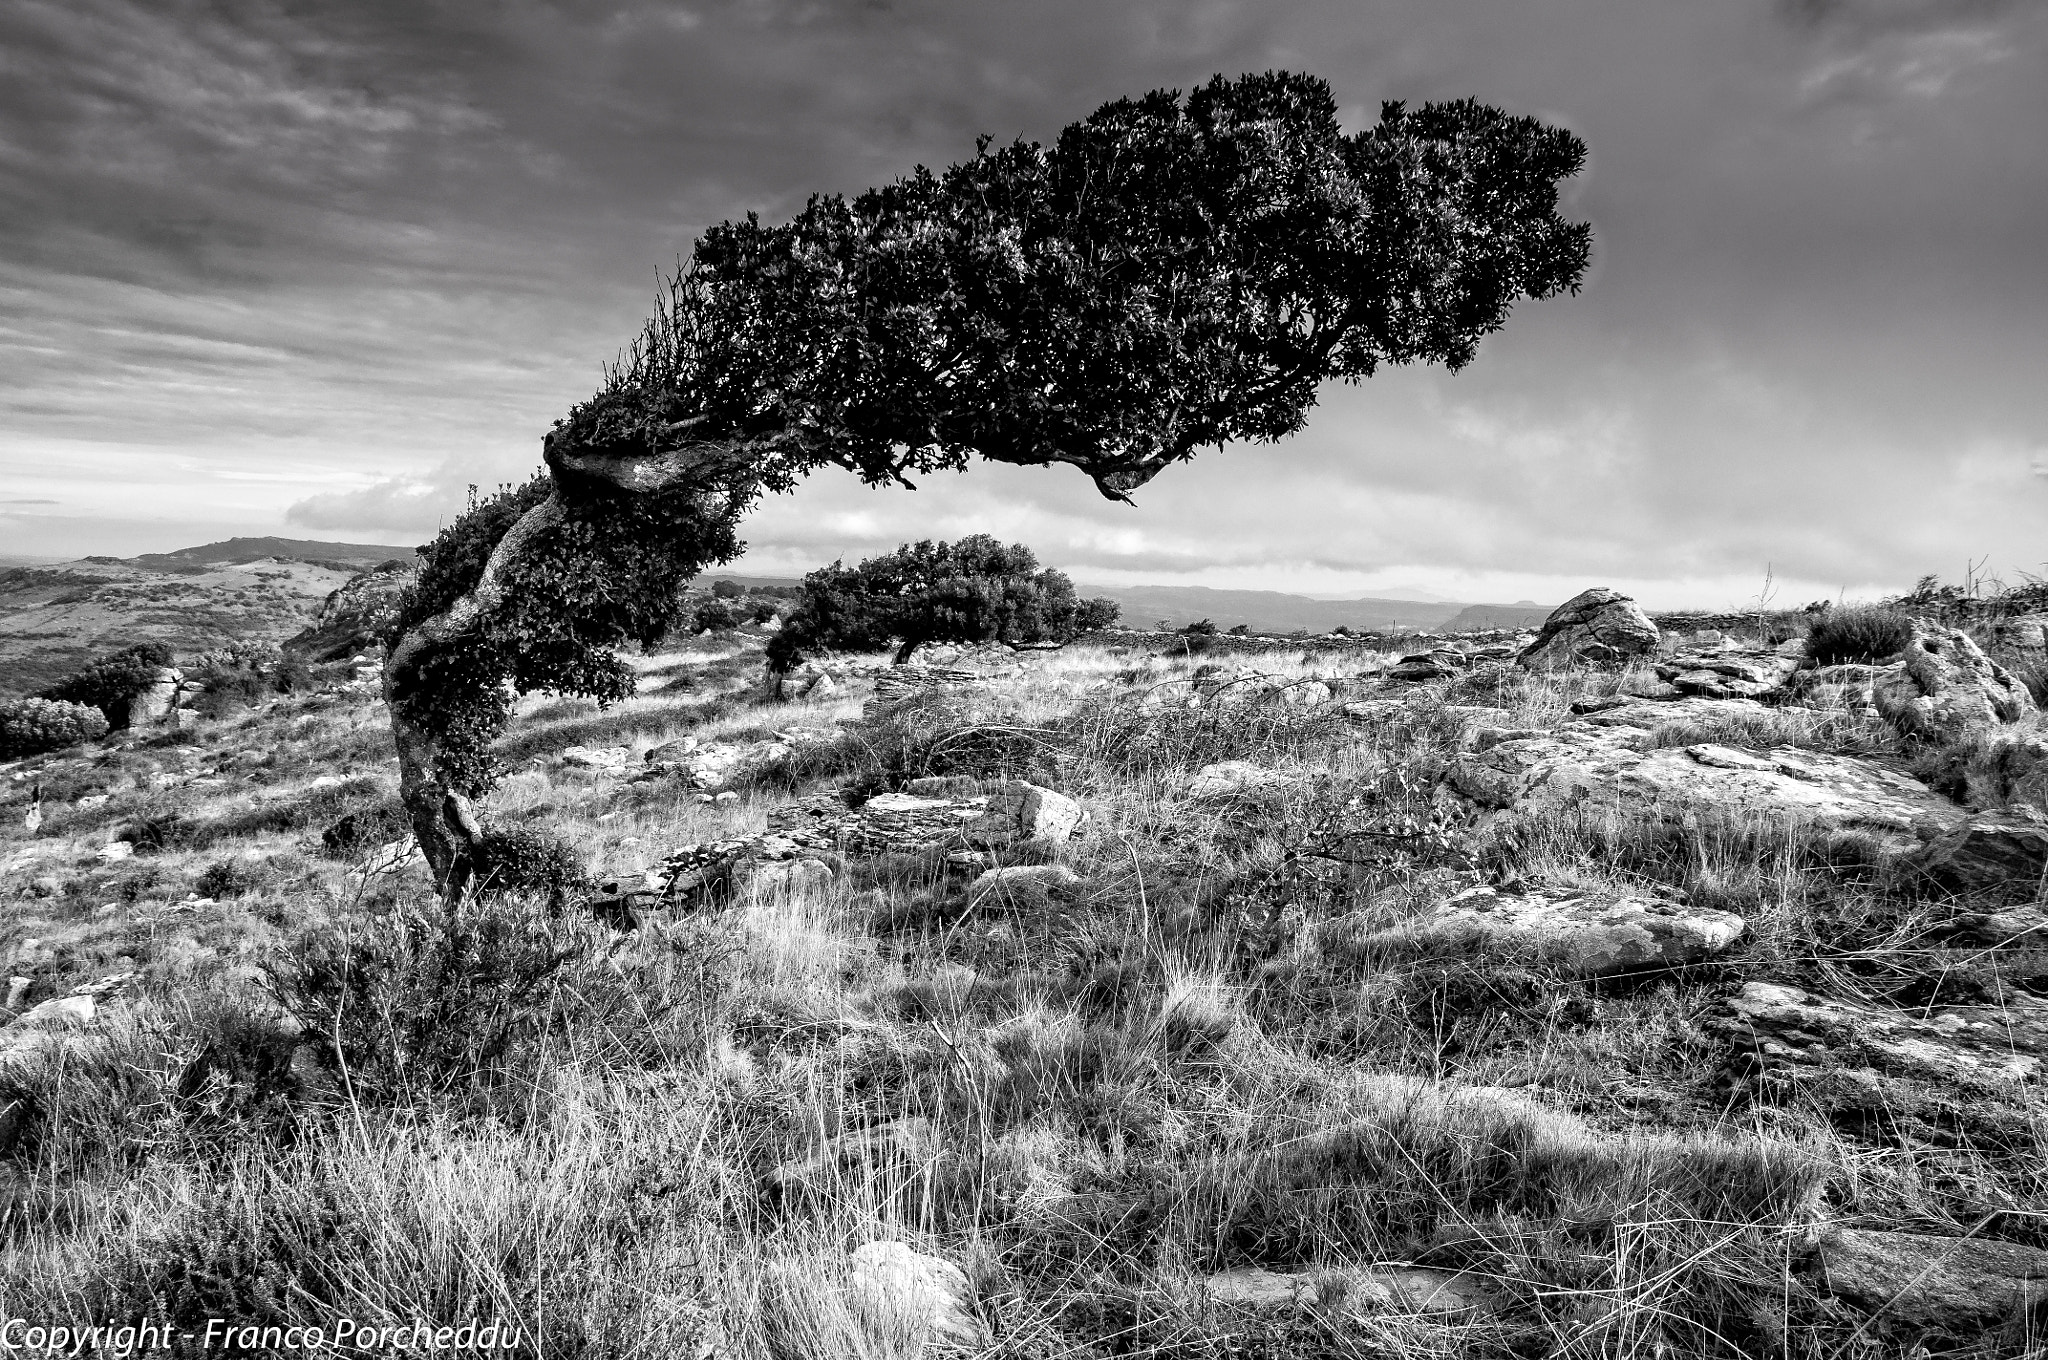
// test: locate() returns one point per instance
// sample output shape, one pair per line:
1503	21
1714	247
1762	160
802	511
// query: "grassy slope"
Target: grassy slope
1092	1098
54	619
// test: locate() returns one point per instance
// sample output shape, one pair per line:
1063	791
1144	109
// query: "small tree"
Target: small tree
975	590
1175	272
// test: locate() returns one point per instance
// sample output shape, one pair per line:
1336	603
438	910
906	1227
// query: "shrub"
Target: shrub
1199	628
406	1007
1241	630
225	878
1858	633
31	726
530	861
715	616
727	589
111	682
974	590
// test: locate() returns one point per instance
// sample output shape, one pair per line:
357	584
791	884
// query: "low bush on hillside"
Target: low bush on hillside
31	726
1858	633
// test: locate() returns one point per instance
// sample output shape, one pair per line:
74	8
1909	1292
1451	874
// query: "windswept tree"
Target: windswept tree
975	590
1172	273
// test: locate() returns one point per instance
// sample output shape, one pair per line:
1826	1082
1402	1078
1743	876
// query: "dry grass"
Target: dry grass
1089	1098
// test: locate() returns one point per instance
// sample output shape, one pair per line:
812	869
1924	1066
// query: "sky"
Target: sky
271	266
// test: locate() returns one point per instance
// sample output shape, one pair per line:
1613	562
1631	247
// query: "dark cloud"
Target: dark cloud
330	264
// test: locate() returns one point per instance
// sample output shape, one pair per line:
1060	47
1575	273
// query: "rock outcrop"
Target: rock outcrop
1599	762
1946	687
1993	855
1591	934
1923	1282
1784	1032
1013	813
1595	627
1732	673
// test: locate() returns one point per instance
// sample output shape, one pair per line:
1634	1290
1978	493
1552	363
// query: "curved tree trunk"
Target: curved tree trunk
443	819
443	816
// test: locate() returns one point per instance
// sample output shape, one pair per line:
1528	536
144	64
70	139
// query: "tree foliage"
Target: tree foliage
1172	273
975	590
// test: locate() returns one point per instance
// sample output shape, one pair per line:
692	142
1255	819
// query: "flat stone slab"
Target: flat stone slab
1926	1282
1592	933
1784	1031
1013	813
1601	760
1364	1290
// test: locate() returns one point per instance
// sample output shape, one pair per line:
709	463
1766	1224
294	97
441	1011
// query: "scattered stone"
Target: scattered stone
1996	855
1781	1031
714	871
891	1279
1237	779
717	764
1597	626
1726	674
1946	687
92	802
1591	933
609	759
1926	1282
17	992
115	851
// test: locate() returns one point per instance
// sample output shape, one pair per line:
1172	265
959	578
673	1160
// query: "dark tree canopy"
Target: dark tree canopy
975	590
1173	272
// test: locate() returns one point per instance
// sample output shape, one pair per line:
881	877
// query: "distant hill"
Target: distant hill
1278	612
232	551
1520	614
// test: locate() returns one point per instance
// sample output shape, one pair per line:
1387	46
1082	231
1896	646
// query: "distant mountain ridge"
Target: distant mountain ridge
230	551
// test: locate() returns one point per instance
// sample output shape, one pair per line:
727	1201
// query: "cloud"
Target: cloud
397	505
28	500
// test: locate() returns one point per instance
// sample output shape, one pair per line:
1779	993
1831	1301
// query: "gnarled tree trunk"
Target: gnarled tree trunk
444	817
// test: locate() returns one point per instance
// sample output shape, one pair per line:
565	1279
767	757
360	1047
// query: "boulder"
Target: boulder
788	876
1597	626
1010	877
1592	934
1236	779
891	1281
1925	1282
1996	855
155	699
1784	1032
1427	666
1019	812
1946	687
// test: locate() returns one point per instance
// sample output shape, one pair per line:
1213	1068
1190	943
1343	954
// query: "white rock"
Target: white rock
115	851
894	1281
1026	875
1025	812
1593	933
1232	778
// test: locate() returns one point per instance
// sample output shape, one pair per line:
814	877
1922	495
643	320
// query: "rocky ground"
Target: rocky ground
1594	993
